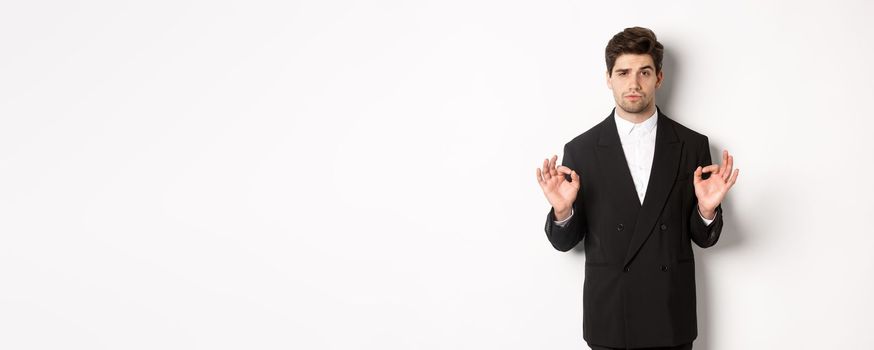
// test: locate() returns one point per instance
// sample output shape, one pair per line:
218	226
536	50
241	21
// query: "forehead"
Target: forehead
633	61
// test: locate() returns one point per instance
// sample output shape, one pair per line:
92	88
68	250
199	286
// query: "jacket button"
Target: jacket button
663	227
619	227
664	268
626	269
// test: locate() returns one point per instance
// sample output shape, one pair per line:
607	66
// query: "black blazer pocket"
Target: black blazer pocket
597	264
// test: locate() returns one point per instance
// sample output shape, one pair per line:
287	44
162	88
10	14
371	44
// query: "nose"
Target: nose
635	83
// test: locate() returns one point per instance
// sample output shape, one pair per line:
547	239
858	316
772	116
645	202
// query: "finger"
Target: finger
728	166
552	170
564	170
575	177
733	178
721	171
539	178
697	174
546	169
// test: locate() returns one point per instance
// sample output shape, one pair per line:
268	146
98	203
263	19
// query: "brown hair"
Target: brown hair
635	40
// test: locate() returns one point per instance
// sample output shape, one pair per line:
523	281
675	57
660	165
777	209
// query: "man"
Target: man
638	188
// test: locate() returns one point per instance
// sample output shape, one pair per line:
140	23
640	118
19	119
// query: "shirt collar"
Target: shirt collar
625	127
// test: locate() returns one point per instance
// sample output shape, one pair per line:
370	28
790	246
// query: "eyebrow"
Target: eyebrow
628	69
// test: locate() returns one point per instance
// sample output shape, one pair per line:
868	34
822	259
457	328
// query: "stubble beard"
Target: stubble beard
633	107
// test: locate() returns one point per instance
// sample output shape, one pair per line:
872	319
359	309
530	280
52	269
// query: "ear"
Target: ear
660	78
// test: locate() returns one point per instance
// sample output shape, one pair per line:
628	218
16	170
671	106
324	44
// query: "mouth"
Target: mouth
633	97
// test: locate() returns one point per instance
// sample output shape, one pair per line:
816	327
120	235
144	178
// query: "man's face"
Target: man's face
634	82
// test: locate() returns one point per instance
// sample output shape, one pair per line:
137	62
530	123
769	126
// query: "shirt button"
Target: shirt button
619	227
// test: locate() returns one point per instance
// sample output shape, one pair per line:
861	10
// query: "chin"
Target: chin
636	108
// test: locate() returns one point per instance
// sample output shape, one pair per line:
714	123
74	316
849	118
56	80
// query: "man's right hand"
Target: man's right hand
559	192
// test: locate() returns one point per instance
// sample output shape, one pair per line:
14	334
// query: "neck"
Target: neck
636	118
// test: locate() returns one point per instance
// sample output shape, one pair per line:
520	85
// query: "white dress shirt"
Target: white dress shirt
638	144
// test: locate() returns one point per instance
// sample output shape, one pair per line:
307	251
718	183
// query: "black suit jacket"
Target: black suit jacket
639	288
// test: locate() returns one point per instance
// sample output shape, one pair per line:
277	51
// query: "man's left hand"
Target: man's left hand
710	192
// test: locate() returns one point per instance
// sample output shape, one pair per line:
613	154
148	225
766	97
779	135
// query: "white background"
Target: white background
361	175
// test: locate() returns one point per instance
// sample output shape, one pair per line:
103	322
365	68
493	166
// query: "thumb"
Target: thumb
566	171
575	177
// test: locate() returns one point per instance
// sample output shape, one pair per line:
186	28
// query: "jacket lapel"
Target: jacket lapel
665	166
611	159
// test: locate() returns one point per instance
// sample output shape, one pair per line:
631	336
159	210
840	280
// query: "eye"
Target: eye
621	73
646	72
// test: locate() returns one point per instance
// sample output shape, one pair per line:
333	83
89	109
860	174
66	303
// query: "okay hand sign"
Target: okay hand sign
559	192
712	191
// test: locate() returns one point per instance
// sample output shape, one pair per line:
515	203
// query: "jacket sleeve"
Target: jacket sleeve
567	237
702	234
